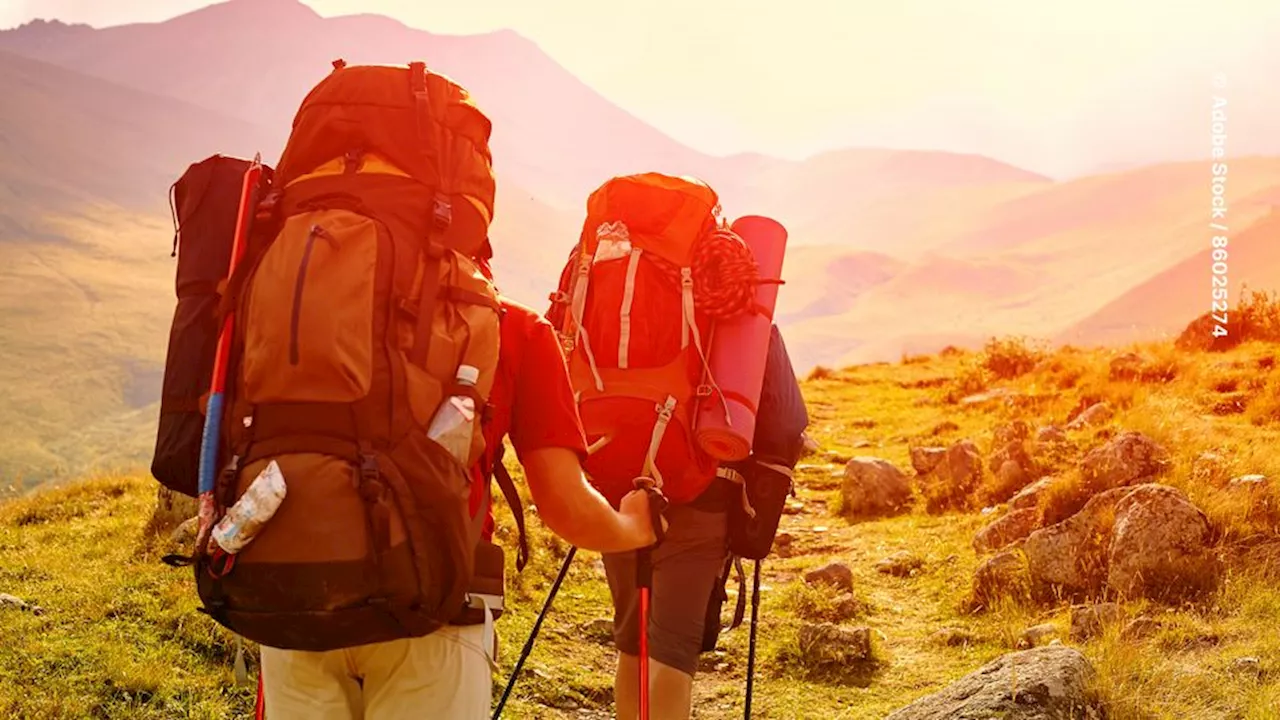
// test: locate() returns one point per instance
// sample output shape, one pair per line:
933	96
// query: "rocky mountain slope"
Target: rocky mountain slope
1063	534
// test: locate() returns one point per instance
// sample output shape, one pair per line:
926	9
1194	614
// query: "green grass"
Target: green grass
121	638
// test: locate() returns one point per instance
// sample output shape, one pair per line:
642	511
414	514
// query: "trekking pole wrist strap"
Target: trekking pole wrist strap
657	505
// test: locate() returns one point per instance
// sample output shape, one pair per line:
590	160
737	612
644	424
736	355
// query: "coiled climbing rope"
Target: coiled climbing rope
725	274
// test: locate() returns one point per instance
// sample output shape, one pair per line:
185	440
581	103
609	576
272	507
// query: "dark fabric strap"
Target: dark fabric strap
433	254
287	444
512	494
740	609
418	87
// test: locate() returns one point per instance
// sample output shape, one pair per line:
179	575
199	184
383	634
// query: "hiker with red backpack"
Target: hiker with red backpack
355	415
665	311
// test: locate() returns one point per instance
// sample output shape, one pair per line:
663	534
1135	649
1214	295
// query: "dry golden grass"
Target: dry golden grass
74	663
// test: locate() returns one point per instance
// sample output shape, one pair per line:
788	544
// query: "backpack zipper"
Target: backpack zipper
296	317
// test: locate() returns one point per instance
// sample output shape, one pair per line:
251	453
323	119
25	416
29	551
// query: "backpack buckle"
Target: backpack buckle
442	212
369	466
704	391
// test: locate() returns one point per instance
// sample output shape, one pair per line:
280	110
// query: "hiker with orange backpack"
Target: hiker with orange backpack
369	379
656	277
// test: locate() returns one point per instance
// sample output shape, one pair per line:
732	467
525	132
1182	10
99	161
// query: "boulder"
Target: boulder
1005	531
874	488
1051	434
925	459
1049	683
1090	621
951	484
1002	578
1128	366
1031	496
1069	558
1209	469
1161	547
1097	414
1124	460
837	575
1038	636
827	645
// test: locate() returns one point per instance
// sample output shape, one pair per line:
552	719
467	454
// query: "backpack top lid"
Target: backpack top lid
373	108
663	213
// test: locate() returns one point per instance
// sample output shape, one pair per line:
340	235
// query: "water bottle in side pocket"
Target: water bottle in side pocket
255	507
454	423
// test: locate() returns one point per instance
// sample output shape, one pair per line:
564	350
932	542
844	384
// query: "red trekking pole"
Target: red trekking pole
644	584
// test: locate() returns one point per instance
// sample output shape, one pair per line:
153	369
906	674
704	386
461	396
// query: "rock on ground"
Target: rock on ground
1038	636
1090	621
1051	434
827	644
13	602
1011	459
1097	414
1069	559
925	459
1049	683
1161	547
900	564
1031	496
951	484
1209	469
1005	531
1146	541
1124	460
836	574
1002	577
874	488
599	630
953	637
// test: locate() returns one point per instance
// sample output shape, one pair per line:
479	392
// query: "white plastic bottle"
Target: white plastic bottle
254	508
454	423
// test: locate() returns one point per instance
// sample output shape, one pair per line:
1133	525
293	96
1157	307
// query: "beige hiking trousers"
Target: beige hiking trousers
443	676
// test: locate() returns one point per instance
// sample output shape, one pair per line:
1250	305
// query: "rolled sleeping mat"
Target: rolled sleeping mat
739	348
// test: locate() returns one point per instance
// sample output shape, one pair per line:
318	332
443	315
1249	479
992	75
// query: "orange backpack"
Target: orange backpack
633	336
356	307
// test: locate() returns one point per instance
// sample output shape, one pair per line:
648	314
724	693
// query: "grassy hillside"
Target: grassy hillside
119	637
83	326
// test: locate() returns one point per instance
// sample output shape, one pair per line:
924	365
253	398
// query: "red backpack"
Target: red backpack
634	337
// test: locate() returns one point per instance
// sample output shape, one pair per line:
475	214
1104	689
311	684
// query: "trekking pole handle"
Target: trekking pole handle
657	505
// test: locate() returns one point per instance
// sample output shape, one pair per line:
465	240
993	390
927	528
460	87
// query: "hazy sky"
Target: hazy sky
791	77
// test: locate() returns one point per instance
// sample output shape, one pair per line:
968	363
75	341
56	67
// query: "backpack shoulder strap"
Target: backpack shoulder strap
512	495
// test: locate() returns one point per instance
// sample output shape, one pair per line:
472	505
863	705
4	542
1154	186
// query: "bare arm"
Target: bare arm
577	512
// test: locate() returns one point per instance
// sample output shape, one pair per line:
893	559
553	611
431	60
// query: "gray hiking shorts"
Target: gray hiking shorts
686	567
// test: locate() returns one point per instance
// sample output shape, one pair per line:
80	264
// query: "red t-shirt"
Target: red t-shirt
532	400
